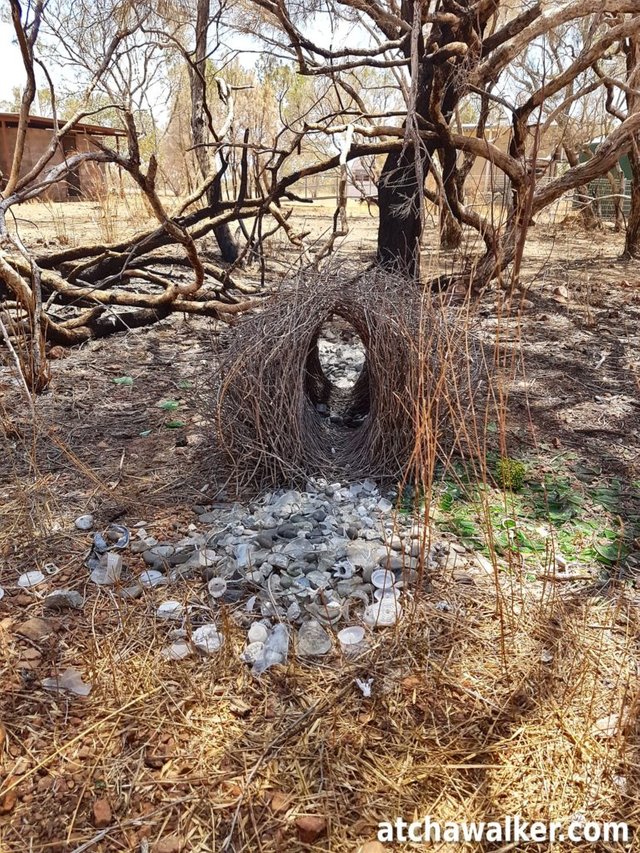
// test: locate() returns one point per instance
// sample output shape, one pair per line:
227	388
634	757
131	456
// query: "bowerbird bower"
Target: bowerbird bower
421	372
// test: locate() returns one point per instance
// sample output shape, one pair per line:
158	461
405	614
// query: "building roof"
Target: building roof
44	123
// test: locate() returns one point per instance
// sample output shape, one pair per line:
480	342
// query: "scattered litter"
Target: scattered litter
383	579
117	538
170	610
29	579
217	587
275	651
108	571
390	592
365	686
176	651
151	577
383	613
313	640
207	639
351	639
70	680
84	522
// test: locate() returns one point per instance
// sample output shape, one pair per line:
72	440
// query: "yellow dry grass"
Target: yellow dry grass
486	709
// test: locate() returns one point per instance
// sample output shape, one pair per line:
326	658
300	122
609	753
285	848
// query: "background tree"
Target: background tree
448	52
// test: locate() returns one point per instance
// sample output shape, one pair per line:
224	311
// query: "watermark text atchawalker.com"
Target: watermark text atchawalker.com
511	829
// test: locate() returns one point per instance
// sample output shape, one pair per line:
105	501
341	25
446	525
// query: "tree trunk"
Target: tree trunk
631	48
587	212
400	224
450	230
632	237
199	131
437	85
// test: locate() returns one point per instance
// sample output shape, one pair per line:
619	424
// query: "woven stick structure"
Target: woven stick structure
420	373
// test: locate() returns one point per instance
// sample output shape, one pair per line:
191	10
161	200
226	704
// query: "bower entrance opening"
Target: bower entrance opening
337	375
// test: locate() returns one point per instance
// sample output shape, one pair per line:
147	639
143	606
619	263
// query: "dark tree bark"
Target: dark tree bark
632	237
631	48
439	86
400	223
199	129
450	228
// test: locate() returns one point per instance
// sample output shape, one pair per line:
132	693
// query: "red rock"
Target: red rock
101	813
9	799
310	828
44	783
35	629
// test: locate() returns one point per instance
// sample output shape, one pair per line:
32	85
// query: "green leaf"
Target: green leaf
446	501
174	424
184	384
123	380
610	554
169	405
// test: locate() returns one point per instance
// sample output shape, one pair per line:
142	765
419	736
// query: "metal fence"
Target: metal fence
609	198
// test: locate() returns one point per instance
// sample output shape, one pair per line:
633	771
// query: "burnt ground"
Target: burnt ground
569	347
123	433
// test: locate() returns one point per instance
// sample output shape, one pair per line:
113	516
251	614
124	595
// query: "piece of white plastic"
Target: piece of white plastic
170	610
29	579
383	613
70	680
109	570
208	639
383	579
177	651
365	686
217	587
351	638
276	649
151	577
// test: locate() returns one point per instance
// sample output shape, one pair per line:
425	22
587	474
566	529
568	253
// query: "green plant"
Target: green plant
510	473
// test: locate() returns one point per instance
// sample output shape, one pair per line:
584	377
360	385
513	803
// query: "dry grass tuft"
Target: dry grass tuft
468	720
